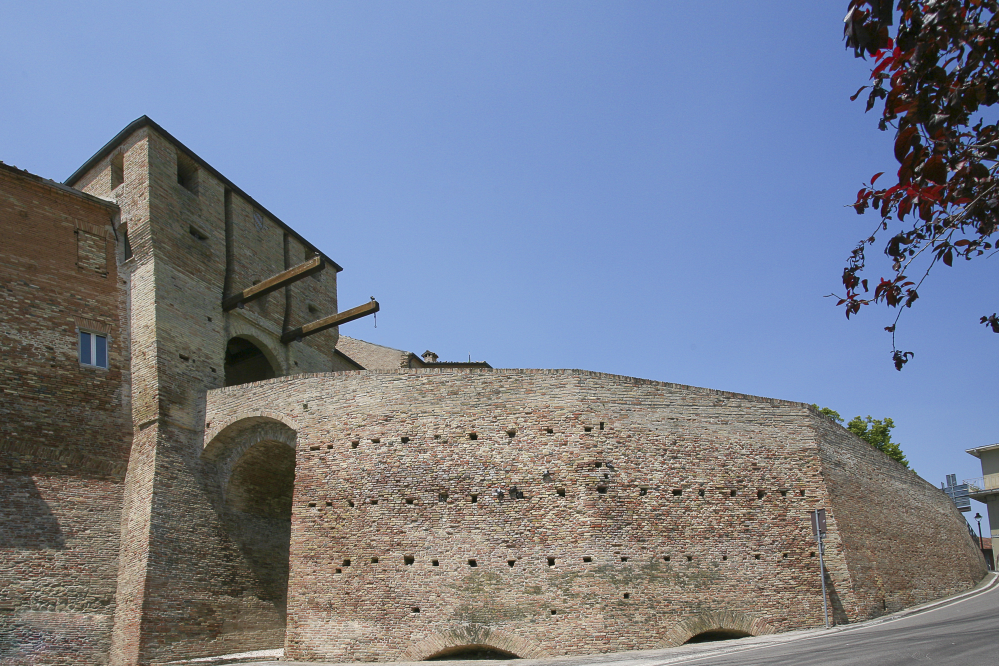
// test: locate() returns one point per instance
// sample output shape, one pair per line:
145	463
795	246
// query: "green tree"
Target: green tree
933	78
876	432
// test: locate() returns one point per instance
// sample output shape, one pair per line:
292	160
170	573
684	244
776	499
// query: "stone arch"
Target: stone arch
268	343
716	621
252	459
248	360
473	636
227	442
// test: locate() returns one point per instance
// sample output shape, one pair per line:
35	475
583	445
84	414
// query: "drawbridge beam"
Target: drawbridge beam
282	279
331	321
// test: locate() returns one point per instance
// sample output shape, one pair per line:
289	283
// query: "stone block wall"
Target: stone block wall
647	510
64	427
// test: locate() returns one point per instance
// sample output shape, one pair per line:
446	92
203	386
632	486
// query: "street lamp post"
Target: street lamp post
981	544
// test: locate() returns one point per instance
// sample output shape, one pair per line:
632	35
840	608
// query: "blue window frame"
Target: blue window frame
93	349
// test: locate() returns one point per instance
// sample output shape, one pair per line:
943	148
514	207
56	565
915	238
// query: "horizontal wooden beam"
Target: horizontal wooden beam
331	321
282	279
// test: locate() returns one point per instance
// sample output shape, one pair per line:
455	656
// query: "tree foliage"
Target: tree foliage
934	77
876	432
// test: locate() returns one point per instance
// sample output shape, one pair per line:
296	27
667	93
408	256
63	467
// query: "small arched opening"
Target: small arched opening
245	362
717	635
471	652
258	500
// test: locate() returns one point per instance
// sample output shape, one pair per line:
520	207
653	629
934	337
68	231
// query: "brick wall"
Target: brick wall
396	495
64	427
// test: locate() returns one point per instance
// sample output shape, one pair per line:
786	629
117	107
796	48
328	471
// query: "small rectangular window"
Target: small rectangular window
117	170
93	349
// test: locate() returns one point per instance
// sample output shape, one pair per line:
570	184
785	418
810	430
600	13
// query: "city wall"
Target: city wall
567	512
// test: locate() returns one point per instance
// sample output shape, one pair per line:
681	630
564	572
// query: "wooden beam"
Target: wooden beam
331	321
282	279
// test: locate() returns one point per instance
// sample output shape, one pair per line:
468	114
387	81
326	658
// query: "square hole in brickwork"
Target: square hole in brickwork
329	503
329	446
598	465
437	436
313	310
801	493
511	563
474	499
733	492
346	563
756	556
197	233
416	609
550	431
690	558
783	492
441	497
560	492
315	447
624	559
408	560
587	428
643	491
783	556
554	612
376	440
354	444
312	503
627	595
551	561
665	558
546	477
473	435
374	502
305	406
473	563
587	559
350	503
117	170
337	571
405	440
374	560
724	557
812	554
677	492
511	433
187	173
410	500
184	357
606	476
700	492
434	563
760	494
601	425
602	490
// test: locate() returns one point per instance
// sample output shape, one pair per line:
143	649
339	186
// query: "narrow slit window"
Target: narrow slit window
93	349
117	170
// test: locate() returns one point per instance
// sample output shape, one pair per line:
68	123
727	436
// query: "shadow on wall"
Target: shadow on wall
26	521
258	518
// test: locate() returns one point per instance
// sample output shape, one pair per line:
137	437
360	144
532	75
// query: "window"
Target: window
93	349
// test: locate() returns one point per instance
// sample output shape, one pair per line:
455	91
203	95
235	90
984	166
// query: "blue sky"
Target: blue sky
654	189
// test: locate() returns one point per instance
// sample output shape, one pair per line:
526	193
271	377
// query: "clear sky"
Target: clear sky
654	189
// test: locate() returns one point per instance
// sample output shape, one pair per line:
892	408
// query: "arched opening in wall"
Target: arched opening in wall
258	520
717	635
245	362
470	652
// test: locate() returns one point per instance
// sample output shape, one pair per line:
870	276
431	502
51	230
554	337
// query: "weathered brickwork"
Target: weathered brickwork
648	510
173	505
64	426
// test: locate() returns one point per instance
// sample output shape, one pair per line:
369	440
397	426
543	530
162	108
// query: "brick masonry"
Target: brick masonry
650	511
150	513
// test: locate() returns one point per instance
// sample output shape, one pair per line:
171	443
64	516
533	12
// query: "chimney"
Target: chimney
429	357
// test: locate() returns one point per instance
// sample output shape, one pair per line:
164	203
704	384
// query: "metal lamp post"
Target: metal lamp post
981	544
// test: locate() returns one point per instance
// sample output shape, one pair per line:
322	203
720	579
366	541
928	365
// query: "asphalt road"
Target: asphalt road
965	632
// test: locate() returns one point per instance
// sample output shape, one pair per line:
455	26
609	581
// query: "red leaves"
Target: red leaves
934	77
934	169
903	142
876	176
